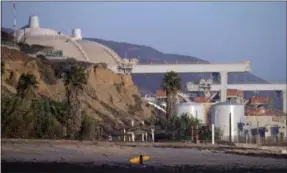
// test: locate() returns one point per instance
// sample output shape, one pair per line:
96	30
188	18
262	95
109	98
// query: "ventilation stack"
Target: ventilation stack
77	34
34	22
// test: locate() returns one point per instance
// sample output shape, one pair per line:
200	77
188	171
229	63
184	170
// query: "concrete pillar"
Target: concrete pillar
133	137
284	92
145	136
124	135
142	137
212	128
132	123
152	135
223	91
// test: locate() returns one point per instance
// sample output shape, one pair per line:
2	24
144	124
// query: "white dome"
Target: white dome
99	53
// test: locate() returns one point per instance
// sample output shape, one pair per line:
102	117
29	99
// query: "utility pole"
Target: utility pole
14	24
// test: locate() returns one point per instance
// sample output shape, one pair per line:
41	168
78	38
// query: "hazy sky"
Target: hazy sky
214	31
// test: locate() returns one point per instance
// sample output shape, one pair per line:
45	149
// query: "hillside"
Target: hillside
111	99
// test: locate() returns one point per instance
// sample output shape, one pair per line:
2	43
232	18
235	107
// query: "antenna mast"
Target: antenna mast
14	25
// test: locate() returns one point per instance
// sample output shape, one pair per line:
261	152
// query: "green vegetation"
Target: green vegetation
175	128
27	83
171	84
74	80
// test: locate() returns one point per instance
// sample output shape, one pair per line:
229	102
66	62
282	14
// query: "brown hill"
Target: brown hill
111	98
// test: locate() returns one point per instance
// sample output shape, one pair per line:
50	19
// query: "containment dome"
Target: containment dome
99	53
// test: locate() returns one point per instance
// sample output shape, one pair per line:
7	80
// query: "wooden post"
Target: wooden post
191	133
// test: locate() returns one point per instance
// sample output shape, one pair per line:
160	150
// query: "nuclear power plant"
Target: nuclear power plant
205	108
71	46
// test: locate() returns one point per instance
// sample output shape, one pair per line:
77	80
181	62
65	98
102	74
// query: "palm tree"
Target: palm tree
74	79
171	84
27	83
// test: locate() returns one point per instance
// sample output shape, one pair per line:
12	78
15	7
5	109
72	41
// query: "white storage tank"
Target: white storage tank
220	114
196	110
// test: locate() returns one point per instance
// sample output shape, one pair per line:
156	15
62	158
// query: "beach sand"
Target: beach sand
105	157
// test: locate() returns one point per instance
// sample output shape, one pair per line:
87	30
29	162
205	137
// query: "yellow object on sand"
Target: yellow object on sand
136	160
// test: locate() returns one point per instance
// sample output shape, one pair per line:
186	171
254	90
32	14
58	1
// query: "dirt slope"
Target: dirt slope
111	98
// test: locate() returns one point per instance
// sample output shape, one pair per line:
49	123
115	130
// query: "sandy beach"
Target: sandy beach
108	157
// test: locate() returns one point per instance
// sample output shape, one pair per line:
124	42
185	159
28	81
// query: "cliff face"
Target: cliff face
111	98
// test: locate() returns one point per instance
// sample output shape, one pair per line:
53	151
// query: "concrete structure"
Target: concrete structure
267	121
77	34
258	87
223	69
72	46
34	22
225	114
193	109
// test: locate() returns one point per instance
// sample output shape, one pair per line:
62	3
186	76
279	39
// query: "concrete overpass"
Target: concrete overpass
192	68
222	68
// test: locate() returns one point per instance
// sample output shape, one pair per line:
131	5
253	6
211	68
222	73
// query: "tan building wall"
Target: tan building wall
265	121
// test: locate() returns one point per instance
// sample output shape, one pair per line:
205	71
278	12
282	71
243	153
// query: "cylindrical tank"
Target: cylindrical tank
34	22
77	34
193	109
220	117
